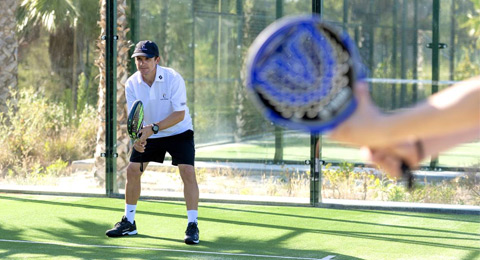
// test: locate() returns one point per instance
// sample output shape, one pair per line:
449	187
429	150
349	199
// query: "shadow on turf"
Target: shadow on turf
350	221
11	234
472	255
230	243
90	248
87	233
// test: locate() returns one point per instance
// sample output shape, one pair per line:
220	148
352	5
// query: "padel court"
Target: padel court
59	227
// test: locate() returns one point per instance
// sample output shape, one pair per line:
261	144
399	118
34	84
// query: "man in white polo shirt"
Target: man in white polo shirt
168	128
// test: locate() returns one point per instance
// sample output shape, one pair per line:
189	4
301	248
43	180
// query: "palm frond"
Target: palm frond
49	14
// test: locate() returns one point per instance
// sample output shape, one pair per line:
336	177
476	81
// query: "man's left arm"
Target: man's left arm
171	120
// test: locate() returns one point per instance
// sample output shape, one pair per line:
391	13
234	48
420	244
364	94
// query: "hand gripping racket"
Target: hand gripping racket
301	73
135	123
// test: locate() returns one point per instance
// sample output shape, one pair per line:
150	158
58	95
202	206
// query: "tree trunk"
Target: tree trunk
123	59
99	168
8	52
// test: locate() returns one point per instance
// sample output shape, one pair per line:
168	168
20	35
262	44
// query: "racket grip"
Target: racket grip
407	175
141	157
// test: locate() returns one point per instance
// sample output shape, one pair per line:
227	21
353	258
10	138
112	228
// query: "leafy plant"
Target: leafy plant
39	139
344	182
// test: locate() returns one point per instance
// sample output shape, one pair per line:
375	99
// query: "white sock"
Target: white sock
192	215
130	212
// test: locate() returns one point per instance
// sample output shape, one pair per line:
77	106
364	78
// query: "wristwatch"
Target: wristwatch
155	128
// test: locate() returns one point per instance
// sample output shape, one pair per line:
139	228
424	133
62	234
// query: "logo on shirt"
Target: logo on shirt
164	96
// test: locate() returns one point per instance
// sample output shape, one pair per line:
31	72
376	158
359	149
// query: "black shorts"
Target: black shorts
181	147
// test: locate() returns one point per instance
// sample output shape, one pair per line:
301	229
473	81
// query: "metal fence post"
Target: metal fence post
435	59
111	96
315	156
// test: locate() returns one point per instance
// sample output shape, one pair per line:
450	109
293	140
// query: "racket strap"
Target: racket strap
407	175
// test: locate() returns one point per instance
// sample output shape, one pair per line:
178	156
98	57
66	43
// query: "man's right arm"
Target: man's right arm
456	108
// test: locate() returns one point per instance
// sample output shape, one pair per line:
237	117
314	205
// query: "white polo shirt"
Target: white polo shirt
166	95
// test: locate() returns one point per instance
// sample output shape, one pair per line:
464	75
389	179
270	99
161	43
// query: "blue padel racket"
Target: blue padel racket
301	73
135	123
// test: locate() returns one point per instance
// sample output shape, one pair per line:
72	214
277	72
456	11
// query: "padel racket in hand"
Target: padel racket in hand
301	73
135	123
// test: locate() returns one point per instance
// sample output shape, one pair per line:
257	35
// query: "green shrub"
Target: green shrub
38	134
56	168
346	183
396	193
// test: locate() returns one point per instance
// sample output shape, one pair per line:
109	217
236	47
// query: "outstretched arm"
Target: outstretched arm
456	108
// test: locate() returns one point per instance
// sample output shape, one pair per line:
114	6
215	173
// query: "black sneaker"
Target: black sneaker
122	228
191	234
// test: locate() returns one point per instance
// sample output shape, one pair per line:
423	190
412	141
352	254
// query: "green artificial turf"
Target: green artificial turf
74	228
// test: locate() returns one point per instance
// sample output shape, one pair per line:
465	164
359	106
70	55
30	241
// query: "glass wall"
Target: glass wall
53	120
240	154
395	42
48	95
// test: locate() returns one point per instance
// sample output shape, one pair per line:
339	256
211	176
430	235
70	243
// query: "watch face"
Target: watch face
155	128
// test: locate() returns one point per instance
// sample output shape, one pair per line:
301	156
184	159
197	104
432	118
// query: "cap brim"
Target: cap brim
142	54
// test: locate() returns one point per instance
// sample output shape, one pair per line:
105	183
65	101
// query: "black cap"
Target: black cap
146	48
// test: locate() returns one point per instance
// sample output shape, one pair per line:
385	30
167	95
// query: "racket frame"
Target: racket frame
135	123
133	130
257	52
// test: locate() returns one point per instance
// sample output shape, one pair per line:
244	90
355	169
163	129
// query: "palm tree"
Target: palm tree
8	46
70	31
123	140
59	19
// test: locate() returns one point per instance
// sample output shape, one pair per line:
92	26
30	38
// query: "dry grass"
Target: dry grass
343	182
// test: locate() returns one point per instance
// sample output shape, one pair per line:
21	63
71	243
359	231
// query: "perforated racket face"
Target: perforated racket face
135	120
301	73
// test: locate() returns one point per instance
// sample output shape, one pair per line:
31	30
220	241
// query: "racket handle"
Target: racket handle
407	175
141	159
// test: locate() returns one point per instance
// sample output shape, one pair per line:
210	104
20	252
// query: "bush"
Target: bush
346	183
39	134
